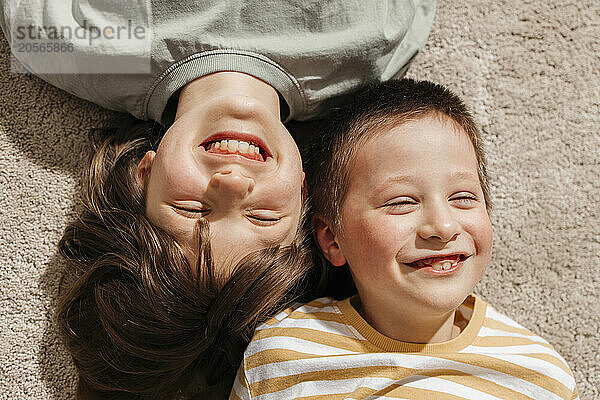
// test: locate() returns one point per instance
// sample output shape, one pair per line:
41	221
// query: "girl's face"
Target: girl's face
250	200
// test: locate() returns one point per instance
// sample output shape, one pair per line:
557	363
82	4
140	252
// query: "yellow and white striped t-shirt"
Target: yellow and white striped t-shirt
326	350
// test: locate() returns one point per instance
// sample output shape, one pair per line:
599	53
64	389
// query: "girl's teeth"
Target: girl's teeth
235	146
232	145
243	147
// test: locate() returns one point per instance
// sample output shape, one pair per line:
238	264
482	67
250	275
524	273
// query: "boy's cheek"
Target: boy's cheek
367	251
371	238
483	235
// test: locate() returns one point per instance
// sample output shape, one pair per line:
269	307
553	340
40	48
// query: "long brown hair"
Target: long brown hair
138	319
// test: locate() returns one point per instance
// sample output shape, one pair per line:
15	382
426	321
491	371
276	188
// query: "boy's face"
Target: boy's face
415	229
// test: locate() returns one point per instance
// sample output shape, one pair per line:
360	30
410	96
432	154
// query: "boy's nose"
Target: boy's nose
439	224
231	184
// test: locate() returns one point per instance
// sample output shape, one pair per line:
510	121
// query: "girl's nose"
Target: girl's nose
231	184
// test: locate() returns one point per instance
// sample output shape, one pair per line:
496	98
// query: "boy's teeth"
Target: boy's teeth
443	265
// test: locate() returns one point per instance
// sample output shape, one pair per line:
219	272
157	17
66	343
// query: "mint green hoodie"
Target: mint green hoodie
310	51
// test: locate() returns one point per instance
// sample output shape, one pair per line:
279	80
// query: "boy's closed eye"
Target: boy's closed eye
464	200
401	205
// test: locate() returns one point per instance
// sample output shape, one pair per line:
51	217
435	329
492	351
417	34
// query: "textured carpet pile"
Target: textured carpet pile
530	71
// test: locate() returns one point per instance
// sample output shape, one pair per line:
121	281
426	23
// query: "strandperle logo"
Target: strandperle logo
82	37
86	31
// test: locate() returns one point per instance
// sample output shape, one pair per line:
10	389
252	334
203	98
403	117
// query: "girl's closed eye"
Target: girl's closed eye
257	218
190	212
263	219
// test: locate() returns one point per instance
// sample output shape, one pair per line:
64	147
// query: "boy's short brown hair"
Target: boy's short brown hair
373	109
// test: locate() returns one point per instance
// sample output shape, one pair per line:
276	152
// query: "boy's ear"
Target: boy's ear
143	168
327	241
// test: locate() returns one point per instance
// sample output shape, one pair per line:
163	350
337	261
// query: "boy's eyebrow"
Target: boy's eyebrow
454	176
393	179
464	175
400	179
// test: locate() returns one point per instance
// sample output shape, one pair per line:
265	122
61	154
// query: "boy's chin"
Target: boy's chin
443	302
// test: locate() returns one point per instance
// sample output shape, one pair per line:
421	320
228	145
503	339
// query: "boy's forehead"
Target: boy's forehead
363	161
380	139
402	125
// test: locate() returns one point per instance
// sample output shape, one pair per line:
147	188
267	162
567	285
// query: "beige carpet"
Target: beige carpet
530	71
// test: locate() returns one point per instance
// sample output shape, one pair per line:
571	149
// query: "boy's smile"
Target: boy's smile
415	229
440	264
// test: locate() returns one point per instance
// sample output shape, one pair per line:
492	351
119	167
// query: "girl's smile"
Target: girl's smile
228	159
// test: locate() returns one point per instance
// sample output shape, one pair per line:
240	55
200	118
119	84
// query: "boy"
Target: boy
401	199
